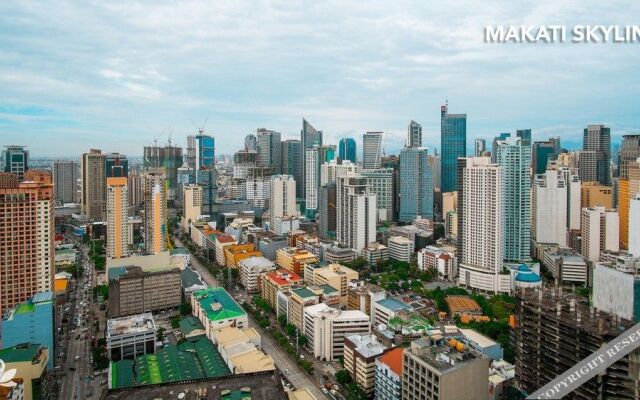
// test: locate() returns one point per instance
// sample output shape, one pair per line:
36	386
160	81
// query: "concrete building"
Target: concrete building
327	211
191	205
360	354
191	282
634	229
169	158
65	181
237	252
374	253
433	369
293	259
282	203
387	309
135	291
400	248
414	135
127	338
117	216
355	212
301	298
364	296
30	364
416	184
15	161
388	379
291	160
371	150
251	270
278	280
155	210
93	193
326	328
26	237
332	170
482	236
616	289
334	254
598	138
453	142
269	149
337	276
31	322
600	232
381	182
566	266
221	242
216	309
309	137
441	259
593	194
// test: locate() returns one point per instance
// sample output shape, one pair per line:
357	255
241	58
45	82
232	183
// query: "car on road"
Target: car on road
324	390
76	358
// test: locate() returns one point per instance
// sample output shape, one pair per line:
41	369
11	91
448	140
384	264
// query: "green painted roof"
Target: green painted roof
189	324
20	353
303	292
189	278
212	363
25	308
327	289
212	297
116	272
122	374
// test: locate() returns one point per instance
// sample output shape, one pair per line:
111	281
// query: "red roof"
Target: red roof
393	359
225	239
283	276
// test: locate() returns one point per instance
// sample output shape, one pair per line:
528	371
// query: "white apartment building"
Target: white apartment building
117	217
331	171
326	329
438	258
257	191
381	182
311	178
356	211
191	204
600	232
634	228
282	199
400	248
250	271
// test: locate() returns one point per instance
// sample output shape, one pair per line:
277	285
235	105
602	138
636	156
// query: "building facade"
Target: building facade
371	150
117	216
65	181
416	184
155	211
356	210
347	149
93	194
453	144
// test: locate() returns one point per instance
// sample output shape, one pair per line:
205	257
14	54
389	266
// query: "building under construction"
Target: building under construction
168	157
553	331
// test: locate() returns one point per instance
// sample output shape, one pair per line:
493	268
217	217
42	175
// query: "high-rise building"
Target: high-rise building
309	137
381	182
347	149
134	188
629	152
371	150
315	157
360	354
414	135
634	229
116	165
393	162
26	237
628	190
168	157
117	216
251	142
327	211
482	242
600	232
388	380
192	205
205	151
65	181
453	144
416	184
207	179
598	138
94	196
594	194
291	160
190	156
282	199
514	156
155	210
16	160
332	170
480	146
269	149
355	212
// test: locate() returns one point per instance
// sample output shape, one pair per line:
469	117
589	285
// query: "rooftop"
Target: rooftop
218	304
224	238
256	262
189	278
20	353
394	305
462	303
179	250
129	325
441	354
367	345
393	358
303	292
189	324
283	276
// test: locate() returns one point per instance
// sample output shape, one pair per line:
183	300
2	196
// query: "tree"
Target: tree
160	334
175	322
185	308
282	320
343	377
291	330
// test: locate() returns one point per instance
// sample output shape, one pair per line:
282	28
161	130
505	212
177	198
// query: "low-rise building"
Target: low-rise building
336	276
215	308
335	254
30	363
388	384
400	248
460	305
300	298
237	252
294	259
282	304
363	296
375	253
326	329
386	309
360	354
566	265
251	269
222	241
191	282
241	350
278	280
130	337
270	244
438	258
191	326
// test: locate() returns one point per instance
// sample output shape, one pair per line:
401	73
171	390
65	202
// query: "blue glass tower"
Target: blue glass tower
205	153
453	144
347	149
416	184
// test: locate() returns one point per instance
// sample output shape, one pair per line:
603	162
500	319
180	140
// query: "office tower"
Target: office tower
629	152
190	156
371	150
185	176
453	144
414	135
32	322
393	162
117	215
482	243
327	211
480	146
355	212
205	151
16	160
116	165
598	138
634	229
94	186
542	153
434	368
360	354
207	178
168	157
155	210
65	181
628	189
555	206
291	160
192	205
381	182
435	162
243	160
26	237
347	150
600	232
315	157
494	144
514	156
309	137
251	143
269	151
134	189
332	170
554	331
587	162
594	194
326	329
282	199
416	184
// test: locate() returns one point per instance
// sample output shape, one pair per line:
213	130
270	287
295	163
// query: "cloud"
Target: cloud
116	74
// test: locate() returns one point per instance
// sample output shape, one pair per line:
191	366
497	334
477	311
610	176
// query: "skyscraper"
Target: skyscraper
117	215
16	160
309	137
393	162
205	151
26	237
291	160
414	135
155	210
347	149
480	146
282	198
598	138
416	184
250	142
381	182
168	157
482	233
207	179
355	212
542	153
116	165
93	196
269	151
65	181
453	144
514	156
629	152
315	157
190	156
327	211
371	150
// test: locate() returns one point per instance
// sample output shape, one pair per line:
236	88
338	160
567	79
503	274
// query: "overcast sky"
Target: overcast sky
115	75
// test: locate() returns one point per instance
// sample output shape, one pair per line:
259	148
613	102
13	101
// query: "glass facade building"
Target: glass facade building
205	153
16	160
347	149
117	165
453	144
416	184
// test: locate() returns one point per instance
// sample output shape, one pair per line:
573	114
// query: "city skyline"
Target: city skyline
123	74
